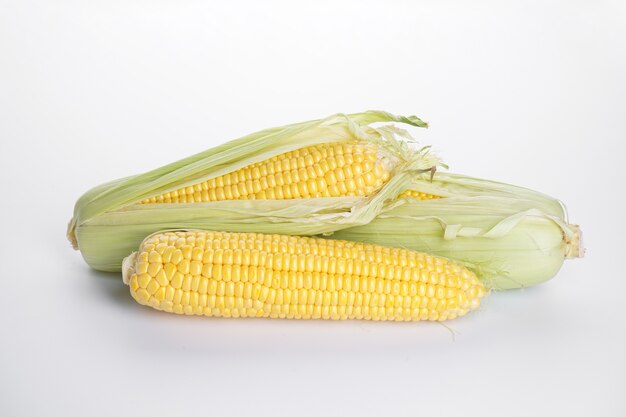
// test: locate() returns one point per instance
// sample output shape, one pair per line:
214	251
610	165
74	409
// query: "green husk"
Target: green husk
108	224
507	241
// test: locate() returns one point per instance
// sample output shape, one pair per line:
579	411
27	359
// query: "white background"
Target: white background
528	92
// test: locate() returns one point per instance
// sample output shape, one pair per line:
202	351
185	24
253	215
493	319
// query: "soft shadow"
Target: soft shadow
110	284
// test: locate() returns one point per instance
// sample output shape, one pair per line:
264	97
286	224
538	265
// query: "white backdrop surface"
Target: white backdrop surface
528	92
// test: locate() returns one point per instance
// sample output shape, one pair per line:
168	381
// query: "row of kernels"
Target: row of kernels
228	307
233	263
277	243
293	281
237	299
315	188
419	195
379	263
325	285
234	260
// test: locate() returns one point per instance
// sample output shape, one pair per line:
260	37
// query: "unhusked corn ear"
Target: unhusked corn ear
257	275
418	195
351	168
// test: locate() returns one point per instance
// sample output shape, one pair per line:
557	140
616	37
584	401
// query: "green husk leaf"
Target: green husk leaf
448	184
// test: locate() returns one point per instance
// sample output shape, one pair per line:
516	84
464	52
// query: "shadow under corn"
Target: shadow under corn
111	286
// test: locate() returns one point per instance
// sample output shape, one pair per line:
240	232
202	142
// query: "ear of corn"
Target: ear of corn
255	275
110	220
254	148
507	242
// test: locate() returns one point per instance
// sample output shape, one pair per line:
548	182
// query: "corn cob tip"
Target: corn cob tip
574	246
128	267
71	233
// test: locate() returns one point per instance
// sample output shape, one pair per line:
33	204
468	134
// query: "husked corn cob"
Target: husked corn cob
355	168
257	275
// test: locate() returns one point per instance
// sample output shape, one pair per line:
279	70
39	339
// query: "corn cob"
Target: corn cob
254	275
354	168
